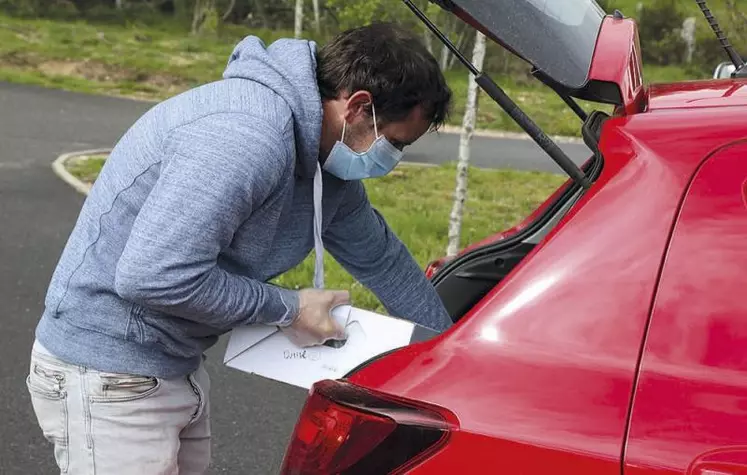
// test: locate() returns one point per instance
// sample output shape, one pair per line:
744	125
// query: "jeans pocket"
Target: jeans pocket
116	387
49	401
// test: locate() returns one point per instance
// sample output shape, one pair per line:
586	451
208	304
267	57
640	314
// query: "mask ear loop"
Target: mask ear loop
373	111
376	128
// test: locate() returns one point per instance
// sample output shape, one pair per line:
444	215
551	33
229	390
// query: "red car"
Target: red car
606	334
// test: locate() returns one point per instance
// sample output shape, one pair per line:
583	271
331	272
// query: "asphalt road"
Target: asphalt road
252	417
488	152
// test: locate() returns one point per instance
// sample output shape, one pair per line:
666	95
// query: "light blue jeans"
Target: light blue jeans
106	423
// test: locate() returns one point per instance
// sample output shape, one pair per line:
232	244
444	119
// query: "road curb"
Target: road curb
58	166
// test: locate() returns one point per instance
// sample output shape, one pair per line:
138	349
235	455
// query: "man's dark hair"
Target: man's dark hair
389	62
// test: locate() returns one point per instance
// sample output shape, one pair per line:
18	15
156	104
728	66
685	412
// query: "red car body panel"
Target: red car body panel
540	374
698	94
618	344
691	401
617	60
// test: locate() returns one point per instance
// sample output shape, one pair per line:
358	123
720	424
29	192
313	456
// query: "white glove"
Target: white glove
314	324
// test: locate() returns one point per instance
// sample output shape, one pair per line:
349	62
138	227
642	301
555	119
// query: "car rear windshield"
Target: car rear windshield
556	36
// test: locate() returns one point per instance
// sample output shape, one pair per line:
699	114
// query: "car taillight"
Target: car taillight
345	429
433	267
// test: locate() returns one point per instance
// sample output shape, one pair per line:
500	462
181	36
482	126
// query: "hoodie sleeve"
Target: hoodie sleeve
219	171
362	242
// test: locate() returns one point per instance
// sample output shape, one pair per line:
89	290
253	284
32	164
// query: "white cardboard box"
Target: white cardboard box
264	350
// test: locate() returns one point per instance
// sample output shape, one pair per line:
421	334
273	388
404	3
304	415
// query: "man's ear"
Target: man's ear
358	107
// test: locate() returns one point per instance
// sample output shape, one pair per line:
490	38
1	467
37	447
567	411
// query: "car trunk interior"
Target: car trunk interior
467	279
462	283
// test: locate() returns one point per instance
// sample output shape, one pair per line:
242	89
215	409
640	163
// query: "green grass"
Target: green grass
86	168
416	202
150	62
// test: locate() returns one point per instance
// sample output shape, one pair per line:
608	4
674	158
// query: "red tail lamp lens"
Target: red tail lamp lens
431	269
330	438
344	429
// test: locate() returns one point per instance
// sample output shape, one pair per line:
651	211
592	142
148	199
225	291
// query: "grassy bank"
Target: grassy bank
416	202
150	62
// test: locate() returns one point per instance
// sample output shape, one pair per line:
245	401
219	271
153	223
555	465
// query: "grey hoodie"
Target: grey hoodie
202	201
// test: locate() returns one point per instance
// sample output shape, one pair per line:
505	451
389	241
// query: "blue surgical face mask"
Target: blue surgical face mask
380	158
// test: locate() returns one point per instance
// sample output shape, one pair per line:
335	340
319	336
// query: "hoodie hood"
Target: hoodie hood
288	67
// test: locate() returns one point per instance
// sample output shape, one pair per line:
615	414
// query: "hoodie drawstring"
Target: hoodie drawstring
318	245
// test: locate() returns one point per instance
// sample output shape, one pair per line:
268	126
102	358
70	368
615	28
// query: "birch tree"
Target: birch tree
468	128
229	11
202	9
428	40
461	44
461	32
298	30
444	60
688	36
445	51
317	21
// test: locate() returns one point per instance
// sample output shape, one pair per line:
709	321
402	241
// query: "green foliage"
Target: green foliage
357	12
25	8
708	52
147	52
606	5
352	13
660	23
212	19
85	5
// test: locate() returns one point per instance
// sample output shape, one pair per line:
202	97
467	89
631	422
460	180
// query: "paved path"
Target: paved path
490	152
252	418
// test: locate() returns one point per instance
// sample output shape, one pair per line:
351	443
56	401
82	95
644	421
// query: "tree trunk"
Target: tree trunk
468	127
445	52
229	10
461	43
262	14
298	30
118	4
428	39
203	8
688	36
317	20
198	16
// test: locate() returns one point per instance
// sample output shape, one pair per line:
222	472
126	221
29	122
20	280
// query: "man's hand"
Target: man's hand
314	324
